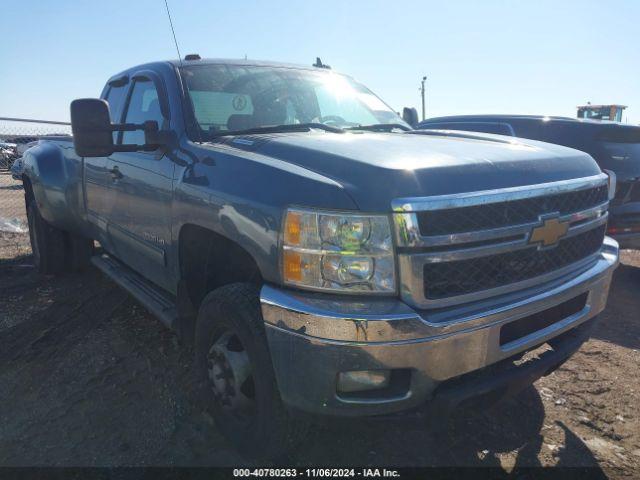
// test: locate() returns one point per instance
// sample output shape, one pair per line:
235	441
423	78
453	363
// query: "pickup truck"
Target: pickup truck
614	146
322	257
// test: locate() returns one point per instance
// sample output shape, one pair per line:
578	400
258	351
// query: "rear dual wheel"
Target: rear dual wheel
54	250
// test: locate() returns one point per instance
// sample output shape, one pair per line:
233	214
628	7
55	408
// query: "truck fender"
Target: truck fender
54	173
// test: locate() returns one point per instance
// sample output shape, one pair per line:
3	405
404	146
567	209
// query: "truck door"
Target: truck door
99	193
140	221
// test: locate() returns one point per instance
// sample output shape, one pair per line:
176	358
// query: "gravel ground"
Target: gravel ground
89	378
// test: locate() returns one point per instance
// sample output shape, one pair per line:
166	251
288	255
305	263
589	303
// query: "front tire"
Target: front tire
236	374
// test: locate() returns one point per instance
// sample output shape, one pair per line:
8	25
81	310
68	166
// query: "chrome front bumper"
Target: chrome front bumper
314	337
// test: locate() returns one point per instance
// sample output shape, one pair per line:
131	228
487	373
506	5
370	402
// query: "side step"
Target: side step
153	298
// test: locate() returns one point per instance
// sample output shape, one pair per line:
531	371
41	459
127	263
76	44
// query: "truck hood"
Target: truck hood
375	168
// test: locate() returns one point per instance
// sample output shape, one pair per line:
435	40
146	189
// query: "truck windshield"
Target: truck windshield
230	98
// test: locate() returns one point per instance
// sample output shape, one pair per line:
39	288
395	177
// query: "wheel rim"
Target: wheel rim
231	377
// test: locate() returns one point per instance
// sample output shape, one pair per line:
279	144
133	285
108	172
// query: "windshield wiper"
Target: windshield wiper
294	127
381	127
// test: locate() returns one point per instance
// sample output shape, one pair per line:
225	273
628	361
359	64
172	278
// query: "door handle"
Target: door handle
116	174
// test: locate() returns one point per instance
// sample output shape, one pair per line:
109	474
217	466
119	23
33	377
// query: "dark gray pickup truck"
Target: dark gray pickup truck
321	255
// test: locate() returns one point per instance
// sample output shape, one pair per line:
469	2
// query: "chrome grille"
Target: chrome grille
458	248
446	279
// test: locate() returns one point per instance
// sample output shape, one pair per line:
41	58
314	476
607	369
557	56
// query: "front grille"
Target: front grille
508	213
460	277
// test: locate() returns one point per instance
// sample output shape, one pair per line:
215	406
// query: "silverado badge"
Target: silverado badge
549	232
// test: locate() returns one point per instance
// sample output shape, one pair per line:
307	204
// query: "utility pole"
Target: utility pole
424	79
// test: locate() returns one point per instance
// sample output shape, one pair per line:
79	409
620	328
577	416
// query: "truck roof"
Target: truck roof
175	63
245	62
221	61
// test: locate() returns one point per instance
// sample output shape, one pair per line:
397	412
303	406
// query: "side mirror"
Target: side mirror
410	115
93	131
91	127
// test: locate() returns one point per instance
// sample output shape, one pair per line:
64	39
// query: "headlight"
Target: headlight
338	252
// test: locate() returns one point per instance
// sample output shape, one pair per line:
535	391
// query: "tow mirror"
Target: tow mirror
410	115
93	131
91	127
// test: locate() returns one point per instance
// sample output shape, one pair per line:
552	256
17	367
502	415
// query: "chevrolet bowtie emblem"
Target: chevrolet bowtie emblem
549	232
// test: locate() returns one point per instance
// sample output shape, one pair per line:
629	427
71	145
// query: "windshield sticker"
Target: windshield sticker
239	103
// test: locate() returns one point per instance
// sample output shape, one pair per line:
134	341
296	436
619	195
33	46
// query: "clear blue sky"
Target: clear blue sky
486	56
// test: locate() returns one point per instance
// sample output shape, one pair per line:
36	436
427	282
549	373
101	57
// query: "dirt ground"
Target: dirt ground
89	378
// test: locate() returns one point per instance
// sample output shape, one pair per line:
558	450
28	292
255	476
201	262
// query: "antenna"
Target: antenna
173	32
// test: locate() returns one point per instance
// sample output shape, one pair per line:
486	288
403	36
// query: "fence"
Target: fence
16	136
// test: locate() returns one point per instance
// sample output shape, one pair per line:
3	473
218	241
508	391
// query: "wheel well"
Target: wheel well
209	260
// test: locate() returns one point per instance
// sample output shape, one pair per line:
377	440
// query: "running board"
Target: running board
153	298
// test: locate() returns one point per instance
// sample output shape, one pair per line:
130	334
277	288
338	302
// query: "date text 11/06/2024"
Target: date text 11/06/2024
316	472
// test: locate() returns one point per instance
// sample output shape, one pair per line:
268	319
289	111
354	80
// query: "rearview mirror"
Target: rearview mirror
410	115
91	127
